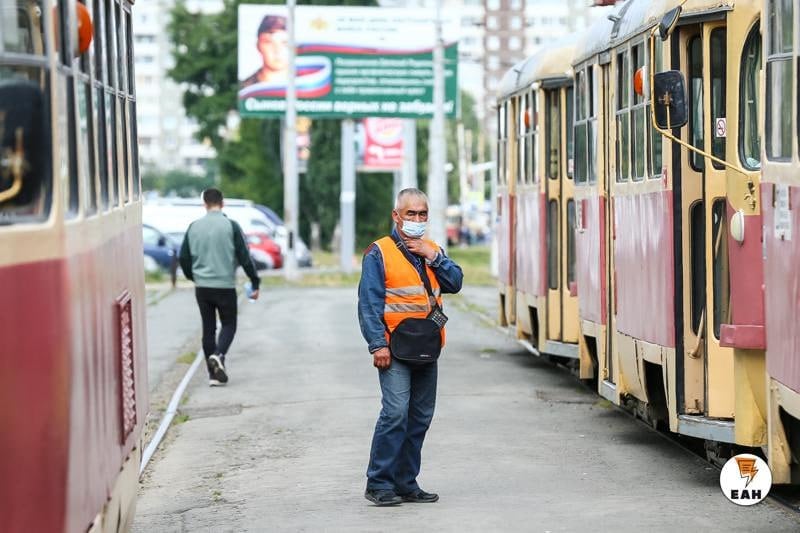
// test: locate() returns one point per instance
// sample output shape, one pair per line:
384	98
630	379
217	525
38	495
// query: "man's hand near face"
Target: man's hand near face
421	248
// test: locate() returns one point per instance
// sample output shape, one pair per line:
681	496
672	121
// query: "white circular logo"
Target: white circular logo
745	479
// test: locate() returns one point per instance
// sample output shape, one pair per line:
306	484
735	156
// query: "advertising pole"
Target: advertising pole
437	184
347	198
408	177
290	182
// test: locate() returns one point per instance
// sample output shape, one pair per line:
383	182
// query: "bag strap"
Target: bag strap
423	274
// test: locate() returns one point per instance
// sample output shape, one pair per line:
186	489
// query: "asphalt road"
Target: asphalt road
516	444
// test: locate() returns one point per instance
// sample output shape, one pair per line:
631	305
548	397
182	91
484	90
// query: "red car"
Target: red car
264	251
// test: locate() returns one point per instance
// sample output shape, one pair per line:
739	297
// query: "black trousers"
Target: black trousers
213	301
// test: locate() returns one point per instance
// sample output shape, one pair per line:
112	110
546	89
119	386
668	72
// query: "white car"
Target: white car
173	216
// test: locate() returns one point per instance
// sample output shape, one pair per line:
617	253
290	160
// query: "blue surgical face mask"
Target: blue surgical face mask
414	230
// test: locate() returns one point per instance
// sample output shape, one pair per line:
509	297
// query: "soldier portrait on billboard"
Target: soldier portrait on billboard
272	45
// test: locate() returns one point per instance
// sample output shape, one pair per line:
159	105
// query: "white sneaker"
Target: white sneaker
214	383
217	369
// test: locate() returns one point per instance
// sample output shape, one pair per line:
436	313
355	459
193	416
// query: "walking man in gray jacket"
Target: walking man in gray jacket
211	250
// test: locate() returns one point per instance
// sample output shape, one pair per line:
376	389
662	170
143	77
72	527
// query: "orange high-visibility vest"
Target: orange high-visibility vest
406	296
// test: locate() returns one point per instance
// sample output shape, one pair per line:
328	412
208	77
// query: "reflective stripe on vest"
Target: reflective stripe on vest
406	296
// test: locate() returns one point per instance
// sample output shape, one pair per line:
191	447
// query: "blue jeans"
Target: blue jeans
409	397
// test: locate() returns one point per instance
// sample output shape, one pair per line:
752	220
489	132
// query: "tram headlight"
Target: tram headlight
737	226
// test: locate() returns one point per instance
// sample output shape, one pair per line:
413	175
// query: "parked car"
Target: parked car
252	219
265	253
160	251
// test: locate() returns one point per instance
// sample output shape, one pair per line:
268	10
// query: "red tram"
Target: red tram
72	303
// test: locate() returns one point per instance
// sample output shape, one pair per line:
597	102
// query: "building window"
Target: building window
491	22
514	43
516	23
493	42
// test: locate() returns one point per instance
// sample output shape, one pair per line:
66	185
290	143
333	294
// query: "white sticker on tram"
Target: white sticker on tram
721	128
745	479
783	214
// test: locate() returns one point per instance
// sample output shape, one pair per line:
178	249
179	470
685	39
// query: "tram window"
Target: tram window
781	20
749	140
656	143
102	148
73	183
697	233
721	272
111	125
623	117
552	244
533	138
124	166
522	149
129	53
553	135
580	153
86	143
134	150
696	101
64	44
779	96
639	137
84	59
570	241
110	42
99	48
591	141
570	132
24	79
121	81
718	80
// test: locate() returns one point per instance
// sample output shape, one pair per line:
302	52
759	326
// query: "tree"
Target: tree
177	183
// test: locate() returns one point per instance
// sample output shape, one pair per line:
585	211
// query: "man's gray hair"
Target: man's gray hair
411	192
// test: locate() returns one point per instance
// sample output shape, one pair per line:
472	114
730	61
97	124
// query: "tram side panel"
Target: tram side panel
34	411
109	374
531	259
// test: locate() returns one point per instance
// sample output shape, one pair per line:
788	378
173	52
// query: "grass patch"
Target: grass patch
316	279
154	277
181	418
605	404
489	350
187	358
474	261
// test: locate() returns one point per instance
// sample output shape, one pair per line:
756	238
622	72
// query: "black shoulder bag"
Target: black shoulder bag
418	341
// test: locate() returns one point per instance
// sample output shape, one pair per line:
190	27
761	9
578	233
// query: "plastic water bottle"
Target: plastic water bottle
248	290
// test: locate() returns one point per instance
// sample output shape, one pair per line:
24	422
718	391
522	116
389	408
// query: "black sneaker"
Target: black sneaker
382	498
419	496
217	369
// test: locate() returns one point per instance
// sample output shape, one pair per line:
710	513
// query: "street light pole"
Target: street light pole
437	184
290	181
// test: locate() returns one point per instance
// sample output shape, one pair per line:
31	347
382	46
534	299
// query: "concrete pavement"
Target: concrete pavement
516	445
173	327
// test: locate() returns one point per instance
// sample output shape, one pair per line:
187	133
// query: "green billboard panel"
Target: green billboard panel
351	62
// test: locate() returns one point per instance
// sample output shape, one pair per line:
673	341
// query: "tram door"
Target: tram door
562	306
708	367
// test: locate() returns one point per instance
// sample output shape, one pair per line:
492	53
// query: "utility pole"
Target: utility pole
462	170
290	182
437	183
347	197
408	176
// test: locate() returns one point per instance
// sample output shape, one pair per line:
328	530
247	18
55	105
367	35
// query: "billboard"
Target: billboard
351	61
379	144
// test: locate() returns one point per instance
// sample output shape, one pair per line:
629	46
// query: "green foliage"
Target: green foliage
177	182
